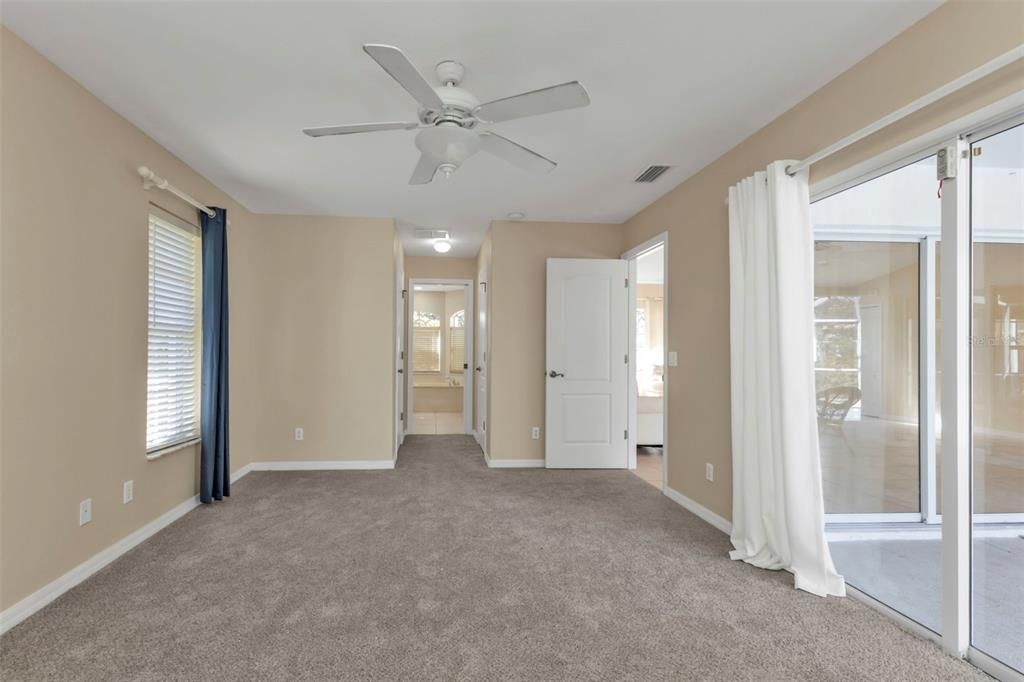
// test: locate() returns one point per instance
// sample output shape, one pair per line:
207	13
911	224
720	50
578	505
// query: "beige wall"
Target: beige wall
325	354
516	301
439	267
695	215
74	286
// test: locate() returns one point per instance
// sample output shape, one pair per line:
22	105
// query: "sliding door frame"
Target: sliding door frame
956	300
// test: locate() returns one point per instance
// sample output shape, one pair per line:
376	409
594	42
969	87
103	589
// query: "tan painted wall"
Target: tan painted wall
326	355
516	302
74	285
441	267
74	275
695	215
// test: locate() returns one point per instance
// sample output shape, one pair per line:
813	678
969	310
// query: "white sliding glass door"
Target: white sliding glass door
997	400
919	320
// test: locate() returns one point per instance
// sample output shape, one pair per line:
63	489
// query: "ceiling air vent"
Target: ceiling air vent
426	233
651	174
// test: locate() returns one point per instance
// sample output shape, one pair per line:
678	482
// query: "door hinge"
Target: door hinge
401	355
404	292
625	358
625	435
627	282
402	416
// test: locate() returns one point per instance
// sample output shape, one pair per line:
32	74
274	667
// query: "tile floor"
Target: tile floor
648	465
436	423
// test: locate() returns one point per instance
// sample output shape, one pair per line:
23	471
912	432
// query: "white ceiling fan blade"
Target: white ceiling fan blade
359	128
398	66
544	101
515	154
424	171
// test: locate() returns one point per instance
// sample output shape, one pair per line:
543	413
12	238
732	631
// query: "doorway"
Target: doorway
440	342
648	360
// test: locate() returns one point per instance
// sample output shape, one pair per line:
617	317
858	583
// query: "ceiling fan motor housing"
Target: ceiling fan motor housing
449	144
458	102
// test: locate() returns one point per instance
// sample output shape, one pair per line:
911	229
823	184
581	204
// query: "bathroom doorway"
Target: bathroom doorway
648	360
440	342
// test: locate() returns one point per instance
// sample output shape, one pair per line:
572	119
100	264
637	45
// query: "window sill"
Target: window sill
168	449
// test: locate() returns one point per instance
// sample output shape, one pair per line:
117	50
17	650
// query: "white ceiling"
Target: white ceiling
227	87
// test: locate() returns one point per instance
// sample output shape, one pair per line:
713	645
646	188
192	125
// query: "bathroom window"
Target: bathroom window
426	339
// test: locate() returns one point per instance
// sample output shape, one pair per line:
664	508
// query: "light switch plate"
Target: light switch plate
673	359
85	511
128	492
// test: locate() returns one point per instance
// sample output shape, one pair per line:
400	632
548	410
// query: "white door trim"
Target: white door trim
631	255
468	378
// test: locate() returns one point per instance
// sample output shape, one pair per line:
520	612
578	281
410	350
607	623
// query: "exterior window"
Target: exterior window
174	346
426	338
457	342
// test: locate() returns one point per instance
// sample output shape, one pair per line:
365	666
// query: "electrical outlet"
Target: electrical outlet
128	492
299	435
535	433
709	471
85	512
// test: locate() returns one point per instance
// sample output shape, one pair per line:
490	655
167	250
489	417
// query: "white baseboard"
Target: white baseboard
241	472
46	594
514	463
326	464
700	510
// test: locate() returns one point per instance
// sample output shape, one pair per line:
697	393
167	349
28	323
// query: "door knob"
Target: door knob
401	371
554	374
479	369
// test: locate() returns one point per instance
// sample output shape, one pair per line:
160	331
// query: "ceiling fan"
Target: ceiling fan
449	117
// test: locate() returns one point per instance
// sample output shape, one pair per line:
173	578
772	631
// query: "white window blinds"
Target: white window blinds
175	285
426	349
457	349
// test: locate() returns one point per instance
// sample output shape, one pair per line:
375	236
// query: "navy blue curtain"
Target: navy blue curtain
215	469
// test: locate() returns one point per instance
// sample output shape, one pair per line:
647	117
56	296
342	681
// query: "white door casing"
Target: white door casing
481	362
399	356
586	374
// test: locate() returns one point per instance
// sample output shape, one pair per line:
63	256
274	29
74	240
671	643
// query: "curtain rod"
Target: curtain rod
915	106
151	179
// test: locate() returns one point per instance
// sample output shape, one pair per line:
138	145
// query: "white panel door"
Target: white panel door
586	374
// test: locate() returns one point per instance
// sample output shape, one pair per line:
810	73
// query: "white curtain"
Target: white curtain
778	517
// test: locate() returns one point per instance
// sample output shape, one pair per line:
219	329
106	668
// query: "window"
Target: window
172	386
457	342
426	342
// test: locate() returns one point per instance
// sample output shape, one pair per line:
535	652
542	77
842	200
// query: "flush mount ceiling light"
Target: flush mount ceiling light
450	119
516	215
442	245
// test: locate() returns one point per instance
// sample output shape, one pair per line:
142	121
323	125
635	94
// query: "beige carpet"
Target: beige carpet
445	569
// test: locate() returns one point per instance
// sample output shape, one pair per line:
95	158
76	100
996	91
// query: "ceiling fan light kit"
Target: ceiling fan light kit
449	115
